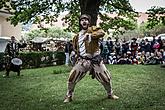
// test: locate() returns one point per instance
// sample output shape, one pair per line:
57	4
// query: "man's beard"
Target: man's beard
85	27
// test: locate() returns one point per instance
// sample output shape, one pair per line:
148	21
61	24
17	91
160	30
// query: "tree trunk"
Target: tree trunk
90	7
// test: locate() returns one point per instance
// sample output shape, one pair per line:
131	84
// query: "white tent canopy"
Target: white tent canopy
40	39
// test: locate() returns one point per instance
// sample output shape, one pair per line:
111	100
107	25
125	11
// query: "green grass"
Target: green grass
139	87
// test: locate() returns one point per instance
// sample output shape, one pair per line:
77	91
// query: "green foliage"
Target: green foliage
5	4
58	33
142	27
116	6
72	18
124	16
158	29
144	31
35	33
139	87
29	10
1	55
1	60
47	11
50	32
119	24
156	16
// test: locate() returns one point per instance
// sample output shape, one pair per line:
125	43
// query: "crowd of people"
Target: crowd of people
133	52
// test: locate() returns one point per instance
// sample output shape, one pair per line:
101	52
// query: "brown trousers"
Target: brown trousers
81	68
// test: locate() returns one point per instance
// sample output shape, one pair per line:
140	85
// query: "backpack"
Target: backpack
156	45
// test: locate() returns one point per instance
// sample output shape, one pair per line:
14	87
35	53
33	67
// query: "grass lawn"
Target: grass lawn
140	87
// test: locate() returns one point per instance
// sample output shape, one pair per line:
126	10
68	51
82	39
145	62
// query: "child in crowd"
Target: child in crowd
143	57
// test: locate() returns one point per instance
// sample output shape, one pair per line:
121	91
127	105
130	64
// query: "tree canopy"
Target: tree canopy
36	11
156	16
50	32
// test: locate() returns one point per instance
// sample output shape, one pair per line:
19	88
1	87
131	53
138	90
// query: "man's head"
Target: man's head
85	21
12	39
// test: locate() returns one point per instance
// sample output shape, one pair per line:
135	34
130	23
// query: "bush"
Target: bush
38	59
42	59
1	61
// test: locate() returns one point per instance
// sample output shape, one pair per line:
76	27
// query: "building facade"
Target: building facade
6	29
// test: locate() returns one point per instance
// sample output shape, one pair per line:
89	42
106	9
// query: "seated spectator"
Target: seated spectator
125	47
122	59
109	44
159	57
110	59
138	57
148	54
142	57
128	53
130	57
151	60
142	45
114	61
125	59
160	43
152	44
163	51
163	56
117	46
134	47
156	45
147	46
134	61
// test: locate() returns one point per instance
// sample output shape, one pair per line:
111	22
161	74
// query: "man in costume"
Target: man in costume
12	51
86	44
